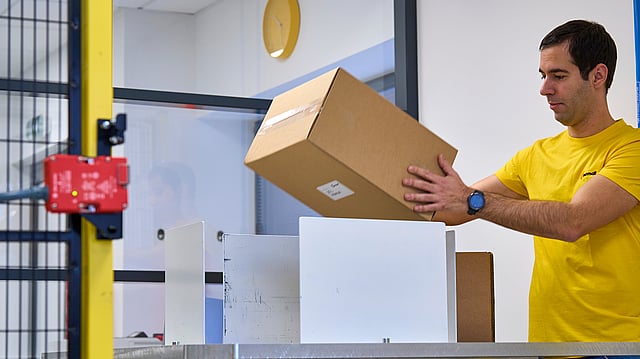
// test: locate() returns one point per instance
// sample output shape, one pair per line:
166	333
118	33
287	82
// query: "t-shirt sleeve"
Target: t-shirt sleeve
510	174
622	166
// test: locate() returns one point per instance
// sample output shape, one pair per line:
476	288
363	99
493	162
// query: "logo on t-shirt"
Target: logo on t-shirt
590	173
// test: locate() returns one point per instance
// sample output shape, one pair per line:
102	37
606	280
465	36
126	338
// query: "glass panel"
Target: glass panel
186	165
142	308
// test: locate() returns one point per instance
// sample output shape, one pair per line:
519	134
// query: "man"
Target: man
577	193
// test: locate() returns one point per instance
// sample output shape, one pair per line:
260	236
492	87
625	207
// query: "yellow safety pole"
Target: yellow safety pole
96	319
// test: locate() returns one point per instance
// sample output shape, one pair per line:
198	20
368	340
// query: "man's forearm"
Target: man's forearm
549	219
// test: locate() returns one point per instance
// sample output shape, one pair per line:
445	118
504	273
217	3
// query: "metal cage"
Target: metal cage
36	247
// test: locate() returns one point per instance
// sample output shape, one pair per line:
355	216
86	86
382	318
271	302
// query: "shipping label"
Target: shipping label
335	190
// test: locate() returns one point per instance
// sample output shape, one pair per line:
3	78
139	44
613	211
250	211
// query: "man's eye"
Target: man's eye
559	77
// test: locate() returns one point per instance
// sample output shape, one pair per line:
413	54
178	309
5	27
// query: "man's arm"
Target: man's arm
596	203
487	185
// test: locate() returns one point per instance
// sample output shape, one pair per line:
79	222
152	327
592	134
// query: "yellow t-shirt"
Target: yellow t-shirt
588	290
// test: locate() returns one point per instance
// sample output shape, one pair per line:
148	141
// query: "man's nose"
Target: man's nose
546	88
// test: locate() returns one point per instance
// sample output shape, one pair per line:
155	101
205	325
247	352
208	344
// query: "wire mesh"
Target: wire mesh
33	125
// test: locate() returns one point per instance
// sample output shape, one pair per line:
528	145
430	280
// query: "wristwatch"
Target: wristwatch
475	202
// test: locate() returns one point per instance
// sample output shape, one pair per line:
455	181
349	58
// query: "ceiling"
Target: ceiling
180	6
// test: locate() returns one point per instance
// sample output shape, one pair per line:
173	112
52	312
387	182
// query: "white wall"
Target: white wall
219	50
153	50
479	85
229	35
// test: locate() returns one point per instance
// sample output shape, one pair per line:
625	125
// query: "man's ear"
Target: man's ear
599	75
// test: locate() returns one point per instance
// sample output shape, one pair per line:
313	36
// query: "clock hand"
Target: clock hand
280	24
277	20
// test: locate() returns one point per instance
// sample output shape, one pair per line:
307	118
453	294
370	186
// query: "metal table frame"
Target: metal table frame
381	350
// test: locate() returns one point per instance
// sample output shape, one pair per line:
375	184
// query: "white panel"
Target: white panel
184	284
452	315
366	281
261	301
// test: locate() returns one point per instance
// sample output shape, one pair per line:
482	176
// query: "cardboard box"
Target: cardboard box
475	297
342	149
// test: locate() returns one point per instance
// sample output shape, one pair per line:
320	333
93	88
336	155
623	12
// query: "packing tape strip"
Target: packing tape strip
291	115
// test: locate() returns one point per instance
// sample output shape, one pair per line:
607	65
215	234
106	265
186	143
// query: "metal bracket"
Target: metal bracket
108	225
110	133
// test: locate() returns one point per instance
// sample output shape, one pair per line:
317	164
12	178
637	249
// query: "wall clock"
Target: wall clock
280	27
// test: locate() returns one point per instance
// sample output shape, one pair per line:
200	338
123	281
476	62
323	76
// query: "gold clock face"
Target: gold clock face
280	27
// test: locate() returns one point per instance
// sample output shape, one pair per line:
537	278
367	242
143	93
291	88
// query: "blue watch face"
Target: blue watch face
476	201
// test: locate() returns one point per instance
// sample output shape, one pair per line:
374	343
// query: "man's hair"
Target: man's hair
589	45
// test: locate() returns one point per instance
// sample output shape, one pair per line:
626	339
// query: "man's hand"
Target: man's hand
436	192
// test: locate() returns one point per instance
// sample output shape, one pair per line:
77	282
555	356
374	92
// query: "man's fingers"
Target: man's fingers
418	197
419	171
445	166
417	184
424	202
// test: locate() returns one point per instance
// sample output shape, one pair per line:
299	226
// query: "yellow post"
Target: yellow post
96	321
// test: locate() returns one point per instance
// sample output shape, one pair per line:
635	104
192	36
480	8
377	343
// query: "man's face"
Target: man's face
569	96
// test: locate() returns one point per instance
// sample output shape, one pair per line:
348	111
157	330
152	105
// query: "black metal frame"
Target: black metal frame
74	301
406	55
202	101
35	87
157	276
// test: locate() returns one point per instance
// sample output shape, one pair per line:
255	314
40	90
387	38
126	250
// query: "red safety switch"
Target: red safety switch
79	184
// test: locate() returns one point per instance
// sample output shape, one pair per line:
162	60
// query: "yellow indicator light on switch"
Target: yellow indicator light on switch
74	193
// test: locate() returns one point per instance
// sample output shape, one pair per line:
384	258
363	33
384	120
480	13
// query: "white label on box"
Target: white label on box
335	190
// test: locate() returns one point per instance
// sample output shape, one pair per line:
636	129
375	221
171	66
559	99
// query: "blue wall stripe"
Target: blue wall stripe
636	22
